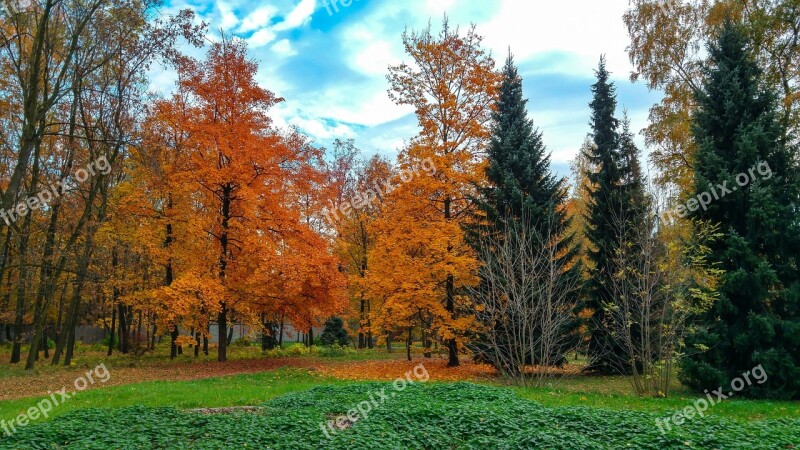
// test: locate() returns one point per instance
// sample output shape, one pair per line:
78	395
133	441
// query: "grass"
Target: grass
237	390
253	389
737	409
433	415
606	393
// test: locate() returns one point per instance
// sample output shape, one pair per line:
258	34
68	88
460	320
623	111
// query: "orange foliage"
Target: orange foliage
420	262
223	191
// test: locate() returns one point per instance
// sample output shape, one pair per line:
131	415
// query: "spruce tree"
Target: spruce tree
616	205
523	187
756	320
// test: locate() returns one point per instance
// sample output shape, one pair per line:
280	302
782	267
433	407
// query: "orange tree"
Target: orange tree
421	262
235	234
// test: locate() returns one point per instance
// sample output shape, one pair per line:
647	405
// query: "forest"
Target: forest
195	230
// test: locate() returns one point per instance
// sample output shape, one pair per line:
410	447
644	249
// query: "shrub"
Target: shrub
335	333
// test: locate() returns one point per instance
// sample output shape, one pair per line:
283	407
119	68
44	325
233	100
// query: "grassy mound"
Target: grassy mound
455	415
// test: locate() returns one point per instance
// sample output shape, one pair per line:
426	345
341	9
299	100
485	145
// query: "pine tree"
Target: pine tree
756	320
616	204
522	186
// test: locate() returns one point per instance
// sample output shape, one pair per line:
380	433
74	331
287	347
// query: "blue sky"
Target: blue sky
329	59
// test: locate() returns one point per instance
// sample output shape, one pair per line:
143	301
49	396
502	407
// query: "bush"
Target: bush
243	341
335	333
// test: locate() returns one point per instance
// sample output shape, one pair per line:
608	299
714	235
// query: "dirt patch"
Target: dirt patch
228	410
340	422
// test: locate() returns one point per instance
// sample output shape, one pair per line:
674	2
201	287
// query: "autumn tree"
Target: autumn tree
353	217
421	261
238	220
77	78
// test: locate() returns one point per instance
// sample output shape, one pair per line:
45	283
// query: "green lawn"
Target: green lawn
252	389
236	390
432	415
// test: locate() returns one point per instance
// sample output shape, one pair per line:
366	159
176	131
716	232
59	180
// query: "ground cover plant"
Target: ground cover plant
437	415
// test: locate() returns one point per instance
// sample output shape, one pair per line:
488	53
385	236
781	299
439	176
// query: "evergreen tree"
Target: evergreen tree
756	320
616	204
522	186
335	333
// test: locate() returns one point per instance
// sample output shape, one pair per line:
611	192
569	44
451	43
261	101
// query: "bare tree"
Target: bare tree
661	280
527	302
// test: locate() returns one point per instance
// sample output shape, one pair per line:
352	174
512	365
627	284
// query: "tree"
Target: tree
616	189
238	207
421	262
355	235
527	298
77	71
662	282
666	49
522	187
756	319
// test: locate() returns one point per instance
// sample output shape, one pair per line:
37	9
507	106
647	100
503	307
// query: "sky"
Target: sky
329	60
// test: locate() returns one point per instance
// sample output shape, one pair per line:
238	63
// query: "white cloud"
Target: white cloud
298	17
258	18
583	28
228	18
284	48
261	38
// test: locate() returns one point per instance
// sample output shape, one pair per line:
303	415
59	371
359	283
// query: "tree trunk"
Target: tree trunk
173	349
450	306
222	329
362	338
19	317
45	344
124	346
113	326
370	344
155	332
280	332
426	341
409	343
222	319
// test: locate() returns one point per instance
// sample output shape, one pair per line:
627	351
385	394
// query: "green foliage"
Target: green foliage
756	320
523	190
616	203
458	415
335	333
243	341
